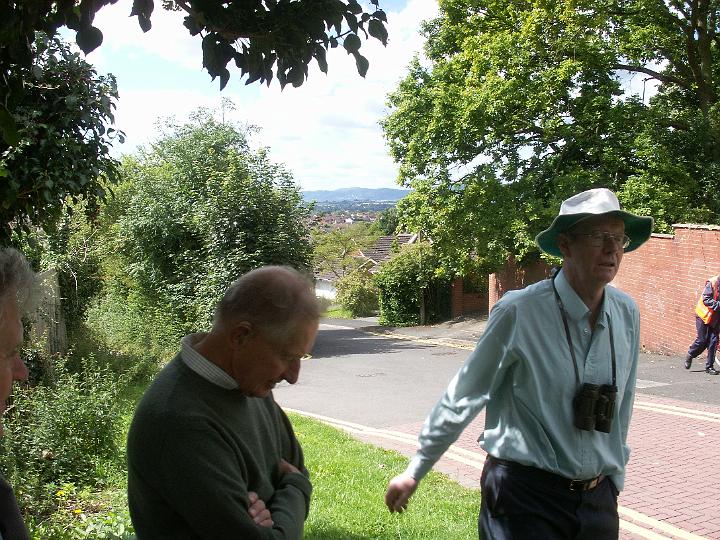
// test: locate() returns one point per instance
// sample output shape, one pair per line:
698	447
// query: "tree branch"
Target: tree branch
681	8
654	74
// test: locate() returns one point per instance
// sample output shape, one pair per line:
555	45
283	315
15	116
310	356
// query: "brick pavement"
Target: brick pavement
672	479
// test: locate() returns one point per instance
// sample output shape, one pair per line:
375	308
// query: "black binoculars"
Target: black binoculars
594	407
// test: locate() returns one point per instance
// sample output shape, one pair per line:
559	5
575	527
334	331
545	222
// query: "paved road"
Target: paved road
379	384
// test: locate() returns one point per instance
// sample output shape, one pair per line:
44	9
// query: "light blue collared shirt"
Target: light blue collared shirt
522	371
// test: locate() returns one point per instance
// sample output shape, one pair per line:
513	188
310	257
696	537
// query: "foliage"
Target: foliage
349	480
335	251
357	293
85	514
387	222
195	211
59	148
257	36
411	280
61	432
521	104
71	251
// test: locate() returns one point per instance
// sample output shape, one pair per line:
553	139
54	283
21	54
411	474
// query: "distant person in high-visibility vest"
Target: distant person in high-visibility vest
707	324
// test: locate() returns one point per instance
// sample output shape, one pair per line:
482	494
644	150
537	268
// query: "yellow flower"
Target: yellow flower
60	493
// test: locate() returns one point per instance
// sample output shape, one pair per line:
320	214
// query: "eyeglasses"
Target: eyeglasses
289	358
598	238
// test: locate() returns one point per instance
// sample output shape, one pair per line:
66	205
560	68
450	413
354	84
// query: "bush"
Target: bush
122	321
62	432
357	293
410	277
71	523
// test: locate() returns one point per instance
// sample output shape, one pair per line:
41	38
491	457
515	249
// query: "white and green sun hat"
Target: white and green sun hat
593	202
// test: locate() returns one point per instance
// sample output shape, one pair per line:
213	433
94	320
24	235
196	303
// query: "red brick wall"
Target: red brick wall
665	277
512	277
464	302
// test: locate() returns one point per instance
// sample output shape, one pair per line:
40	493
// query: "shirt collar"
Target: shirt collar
201	365
574	306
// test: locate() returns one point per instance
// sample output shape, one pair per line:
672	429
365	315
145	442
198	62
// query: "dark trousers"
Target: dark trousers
520	503
707	338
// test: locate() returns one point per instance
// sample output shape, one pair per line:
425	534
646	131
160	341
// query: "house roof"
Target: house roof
382	249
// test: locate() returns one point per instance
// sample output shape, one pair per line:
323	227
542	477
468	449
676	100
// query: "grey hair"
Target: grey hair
16	277
273	298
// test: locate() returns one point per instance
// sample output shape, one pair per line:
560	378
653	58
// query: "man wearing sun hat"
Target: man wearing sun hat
555	370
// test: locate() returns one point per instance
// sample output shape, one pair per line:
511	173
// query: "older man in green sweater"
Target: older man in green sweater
210	453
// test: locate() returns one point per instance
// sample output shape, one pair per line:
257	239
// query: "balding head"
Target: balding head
273	298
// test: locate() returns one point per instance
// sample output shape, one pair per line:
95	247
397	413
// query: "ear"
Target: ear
240	332
563	242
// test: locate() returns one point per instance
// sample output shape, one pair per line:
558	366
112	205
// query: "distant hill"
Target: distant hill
356	194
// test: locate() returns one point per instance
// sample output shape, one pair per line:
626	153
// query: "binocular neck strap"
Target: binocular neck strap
569	339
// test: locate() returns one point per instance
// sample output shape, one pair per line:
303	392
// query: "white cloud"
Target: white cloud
326	131
167	39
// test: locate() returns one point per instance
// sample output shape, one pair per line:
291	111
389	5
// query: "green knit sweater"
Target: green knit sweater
196	449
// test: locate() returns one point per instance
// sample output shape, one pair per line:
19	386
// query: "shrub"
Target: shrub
358	293
195	210
414	275
323	303
71	525
62	432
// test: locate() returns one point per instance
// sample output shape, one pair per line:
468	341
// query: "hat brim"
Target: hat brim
638	228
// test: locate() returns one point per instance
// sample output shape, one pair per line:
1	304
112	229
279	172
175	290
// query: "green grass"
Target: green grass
338	313
349	479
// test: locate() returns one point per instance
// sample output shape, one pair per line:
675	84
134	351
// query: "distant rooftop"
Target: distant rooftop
381	250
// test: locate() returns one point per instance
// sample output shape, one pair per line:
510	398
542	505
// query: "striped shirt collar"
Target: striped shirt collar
201	365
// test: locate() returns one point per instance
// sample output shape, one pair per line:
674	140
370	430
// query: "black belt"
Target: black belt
547	476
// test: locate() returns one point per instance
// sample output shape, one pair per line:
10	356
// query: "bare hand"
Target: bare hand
286	467
260	514
399	491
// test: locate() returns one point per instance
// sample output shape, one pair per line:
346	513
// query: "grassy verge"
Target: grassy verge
338	313
349	479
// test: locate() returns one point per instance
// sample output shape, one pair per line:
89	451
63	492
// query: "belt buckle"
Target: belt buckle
577	485
584	485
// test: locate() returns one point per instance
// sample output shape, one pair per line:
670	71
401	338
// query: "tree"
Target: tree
63	140
256	35
259	36
335	251
387	222
357	293
196	210
523	103
413	287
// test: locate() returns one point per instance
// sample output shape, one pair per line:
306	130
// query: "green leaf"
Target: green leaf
362	64
378	31
192	25
144	23
351	22
354	7
89	39
320	58
8	127
352	43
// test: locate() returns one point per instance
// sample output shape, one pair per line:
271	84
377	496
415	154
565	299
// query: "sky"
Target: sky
326	132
